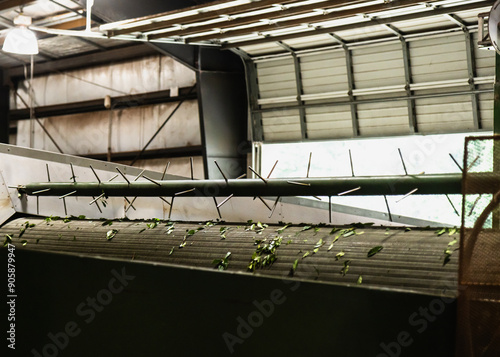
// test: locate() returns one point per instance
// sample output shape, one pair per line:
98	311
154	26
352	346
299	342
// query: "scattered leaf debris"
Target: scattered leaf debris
111	234
221	264
374	251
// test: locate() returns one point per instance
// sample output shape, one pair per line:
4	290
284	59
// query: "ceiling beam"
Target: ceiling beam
372	22
202	16
92	59
298	10
307	20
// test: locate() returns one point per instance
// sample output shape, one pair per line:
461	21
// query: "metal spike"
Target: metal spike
264	202
171	206
456	163
263	179
217	206
95	199
388	209
95	174
72	172
165	171
350	159
408	194
65	208
472	164
274	206
276	163
222	173
349	191
183	192
164	200
316	197
227	199
48	173
97	204
192	170
241	176
452	205
298	183
309	164
330	209
402	161
121	173
68	194
131	204
139	176
474	205
153	181
40	191
38	205
112	178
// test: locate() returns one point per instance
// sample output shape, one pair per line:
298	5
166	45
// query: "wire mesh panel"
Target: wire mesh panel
478	332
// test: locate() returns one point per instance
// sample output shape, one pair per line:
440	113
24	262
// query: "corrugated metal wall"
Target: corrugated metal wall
433	84
132	127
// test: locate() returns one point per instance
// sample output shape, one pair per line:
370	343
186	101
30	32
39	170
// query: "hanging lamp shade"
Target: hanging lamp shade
20	39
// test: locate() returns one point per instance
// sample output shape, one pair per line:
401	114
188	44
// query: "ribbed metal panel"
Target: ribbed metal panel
387	118
485	60
328	122
486	110
281	125
378	66
436	59
311	41
409	261
446	114
276	78
324	72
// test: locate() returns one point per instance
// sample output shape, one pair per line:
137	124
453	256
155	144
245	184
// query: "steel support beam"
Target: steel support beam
350	83
98	104
368	185
188	151
253	97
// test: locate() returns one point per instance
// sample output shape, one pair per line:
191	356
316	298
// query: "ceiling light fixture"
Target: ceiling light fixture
20	39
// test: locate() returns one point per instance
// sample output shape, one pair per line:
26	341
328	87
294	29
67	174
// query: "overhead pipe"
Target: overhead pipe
365	186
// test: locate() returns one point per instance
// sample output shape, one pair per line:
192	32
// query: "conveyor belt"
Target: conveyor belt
411	260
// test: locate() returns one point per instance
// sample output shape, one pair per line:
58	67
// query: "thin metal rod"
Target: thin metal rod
316	197
456	163
350	160
255	172
222	173
217	206
121	173
264	202
183	192
97	204
162	125
402	161
474	205
165	171
330	209
48	173
151	180
95	199
349	191
40	191
37	205
452	205
408	194
164	200
225	200
65	208
272	169
112	178
472	164
309	164
388	208
68	194
171	206
97	177
72	172
192	170
298	183
139	176
241	176
32	107
131	204
274	206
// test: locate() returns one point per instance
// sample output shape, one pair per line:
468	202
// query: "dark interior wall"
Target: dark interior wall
221	87
72	306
